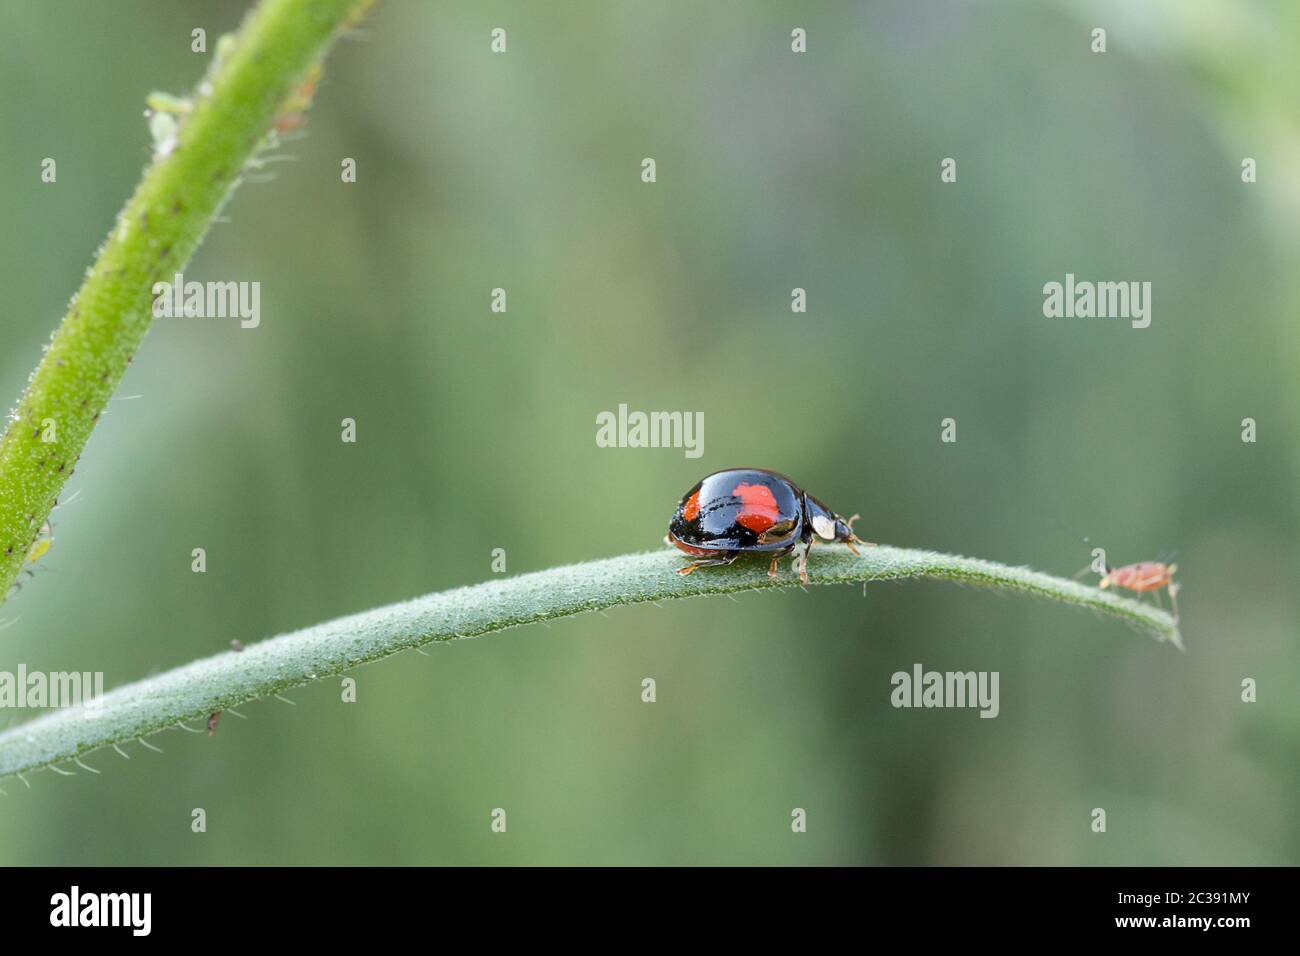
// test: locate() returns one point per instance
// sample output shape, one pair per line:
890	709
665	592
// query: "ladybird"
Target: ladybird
753	510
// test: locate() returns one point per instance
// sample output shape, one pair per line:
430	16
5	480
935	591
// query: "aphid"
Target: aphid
163	110
290	115
753	510
39	548
159	102
1142	577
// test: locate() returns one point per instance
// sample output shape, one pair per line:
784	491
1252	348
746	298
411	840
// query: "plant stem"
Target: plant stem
155	234
197	690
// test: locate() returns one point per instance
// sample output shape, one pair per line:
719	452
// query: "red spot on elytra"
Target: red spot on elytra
758	509
692	509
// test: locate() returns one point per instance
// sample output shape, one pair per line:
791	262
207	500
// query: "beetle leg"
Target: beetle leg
776	558
710	562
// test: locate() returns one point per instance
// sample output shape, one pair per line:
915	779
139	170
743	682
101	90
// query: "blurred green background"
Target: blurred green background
477	430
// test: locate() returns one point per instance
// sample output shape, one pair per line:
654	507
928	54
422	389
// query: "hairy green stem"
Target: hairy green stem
154	236
197	690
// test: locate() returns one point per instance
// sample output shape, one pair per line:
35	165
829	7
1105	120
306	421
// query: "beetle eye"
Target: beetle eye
824	527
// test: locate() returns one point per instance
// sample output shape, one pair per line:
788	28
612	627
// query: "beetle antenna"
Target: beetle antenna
854	538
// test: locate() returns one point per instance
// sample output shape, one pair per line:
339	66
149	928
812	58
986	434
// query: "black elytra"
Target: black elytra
753	510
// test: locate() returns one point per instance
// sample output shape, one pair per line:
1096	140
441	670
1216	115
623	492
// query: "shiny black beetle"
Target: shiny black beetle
753	510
